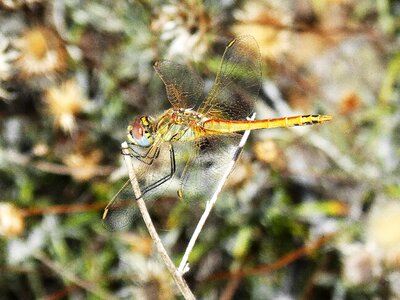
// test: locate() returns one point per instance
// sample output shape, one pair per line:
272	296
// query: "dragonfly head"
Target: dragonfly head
140	132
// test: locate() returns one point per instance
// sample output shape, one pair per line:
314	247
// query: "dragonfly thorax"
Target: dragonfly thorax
179	125
187	117
140	132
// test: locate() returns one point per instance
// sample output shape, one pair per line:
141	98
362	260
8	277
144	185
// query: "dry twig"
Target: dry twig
180	282
184	267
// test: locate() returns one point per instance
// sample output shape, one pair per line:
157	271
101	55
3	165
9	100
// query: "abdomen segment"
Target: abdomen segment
226	126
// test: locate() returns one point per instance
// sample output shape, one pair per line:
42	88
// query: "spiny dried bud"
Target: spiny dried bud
83	167
187	28
64	102
41	53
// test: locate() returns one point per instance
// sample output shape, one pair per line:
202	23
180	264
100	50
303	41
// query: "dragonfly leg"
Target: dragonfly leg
145	158
134	153
146	154
166	178
131	149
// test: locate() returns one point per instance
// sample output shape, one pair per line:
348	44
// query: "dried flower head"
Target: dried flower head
64	102
41	53
350	103
267	25
138	243
268	151
11	220
83	167
383	231
275	27
185	26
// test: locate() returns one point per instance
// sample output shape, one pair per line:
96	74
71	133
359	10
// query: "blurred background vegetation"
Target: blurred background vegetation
309	213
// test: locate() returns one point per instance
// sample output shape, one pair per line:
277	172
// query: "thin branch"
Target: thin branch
62	209
44	166
70	276
65	170
280	263
61	294
230	289
180	282
183	267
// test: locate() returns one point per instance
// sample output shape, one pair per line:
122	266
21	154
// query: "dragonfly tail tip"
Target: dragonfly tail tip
325	118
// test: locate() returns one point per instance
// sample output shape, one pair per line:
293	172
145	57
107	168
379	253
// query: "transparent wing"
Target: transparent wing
237	83
207	164
153	175
184	87
121	210
199	167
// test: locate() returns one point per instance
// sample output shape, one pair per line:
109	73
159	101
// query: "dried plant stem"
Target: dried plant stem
180	282
230	289
18	158
280	263
183	267
62	209
70	276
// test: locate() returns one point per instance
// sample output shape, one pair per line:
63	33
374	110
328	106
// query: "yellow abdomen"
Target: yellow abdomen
226	126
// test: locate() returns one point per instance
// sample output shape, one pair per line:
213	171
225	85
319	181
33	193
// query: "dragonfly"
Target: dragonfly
190	144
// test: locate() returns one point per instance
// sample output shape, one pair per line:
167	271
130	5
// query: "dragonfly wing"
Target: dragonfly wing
153	176
206	166
122	210
184	87
237	83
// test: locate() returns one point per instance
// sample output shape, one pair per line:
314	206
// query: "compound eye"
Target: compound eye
136	130
137	133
